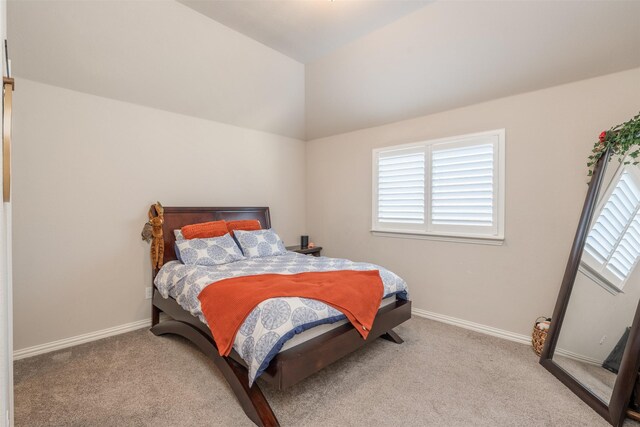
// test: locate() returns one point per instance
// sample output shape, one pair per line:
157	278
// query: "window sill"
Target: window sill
599	280
405	234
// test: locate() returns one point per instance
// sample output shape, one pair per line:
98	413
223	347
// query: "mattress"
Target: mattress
321	329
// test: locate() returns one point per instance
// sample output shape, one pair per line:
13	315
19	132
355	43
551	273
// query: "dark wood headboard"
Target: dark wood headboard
177	217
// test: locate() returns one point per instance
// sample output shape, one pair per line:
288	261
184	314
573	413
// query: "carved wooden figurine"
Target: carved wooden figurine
152	231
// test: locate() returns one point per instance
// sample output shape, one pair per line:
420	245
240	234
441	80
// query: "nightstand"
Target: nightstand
307	251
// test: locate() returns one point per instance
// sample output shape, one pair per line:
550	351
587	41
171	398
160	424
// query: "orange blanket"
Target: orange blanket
227	303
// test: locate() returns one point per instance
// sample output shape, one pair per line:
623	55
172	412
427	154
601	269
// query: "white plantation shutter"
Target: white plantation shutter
462	186
613	244
447	187
401	186
625	256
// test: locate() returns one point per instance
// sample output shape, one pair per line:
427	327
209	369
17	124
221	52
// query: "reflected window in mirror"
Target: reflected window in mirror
612	248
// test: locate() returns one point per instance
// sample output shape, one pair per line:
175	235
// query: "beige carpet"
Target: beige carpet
440	376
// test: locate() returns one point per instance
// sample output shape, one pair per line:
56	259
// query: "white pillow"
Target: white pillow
260	243
178	234
213	251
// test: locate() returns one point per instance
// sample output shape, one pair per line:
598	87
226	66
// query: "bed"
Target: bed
299	357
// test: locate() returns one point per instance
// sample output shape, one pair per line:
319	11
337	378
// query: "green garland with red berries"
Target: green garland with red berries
624	140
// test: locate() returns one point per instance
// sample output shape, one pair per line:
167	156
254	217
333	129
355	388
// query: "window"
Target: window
450	187
612	248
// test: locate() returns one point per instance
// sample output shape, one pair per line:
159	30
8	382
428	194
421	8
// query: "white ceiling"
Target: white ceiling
160	54
451	54
374	62
305	29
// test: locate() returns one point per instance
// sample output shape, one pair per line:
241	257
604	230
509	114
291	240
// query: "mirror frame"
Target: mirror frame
615	411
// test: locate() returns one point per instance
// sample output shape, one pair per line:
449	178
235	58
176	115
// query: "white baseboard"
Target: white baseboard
79	339
488	330
116	330
500	333
578	357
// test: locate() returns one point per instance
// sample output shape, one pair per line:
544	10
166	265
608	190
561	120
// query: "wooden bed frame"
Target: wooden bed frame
289	366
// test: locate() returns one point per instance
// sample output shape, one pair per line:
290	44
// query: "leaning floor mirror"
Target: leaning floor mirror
593	342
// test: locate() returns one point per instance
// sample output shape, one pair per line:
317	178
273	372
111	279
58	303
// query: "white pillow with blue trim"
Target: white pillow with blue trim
260	243
213	251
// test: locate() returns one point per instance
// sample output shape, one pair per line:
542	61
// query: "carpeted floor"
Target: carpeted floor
440	376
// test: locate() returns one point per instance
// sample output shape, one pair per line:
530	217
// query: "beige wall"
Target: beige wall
549	134
85	174
86	170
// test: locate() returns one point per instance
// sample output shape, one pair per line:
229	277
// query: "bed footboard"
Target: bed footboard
297	363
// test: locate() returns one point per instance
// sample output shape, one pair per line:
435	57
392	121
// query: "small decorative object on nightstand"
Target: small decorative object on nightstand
315	251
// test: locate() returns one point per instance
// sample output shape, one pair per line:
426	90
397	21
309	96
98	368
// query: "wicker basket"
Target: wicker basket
538	336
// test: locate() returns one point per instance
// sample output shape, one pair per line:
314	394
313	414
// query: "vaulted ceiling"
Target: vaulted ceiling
451	54
159	54
305	30
309	69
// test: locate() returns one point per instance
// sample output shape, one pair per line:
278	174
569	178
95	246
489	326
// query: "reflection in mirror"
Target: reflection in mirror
606	290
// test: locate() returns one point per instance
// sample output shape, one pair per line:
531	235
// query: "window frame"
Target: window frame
601	276
427	230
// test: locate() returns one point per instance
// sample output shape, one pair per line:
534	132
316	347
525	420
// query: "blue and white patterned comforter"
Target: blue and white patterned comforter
276	320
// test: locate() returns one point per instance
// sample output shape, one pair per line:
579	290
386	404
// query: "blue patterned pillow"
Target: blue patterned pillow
260	243
213	251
